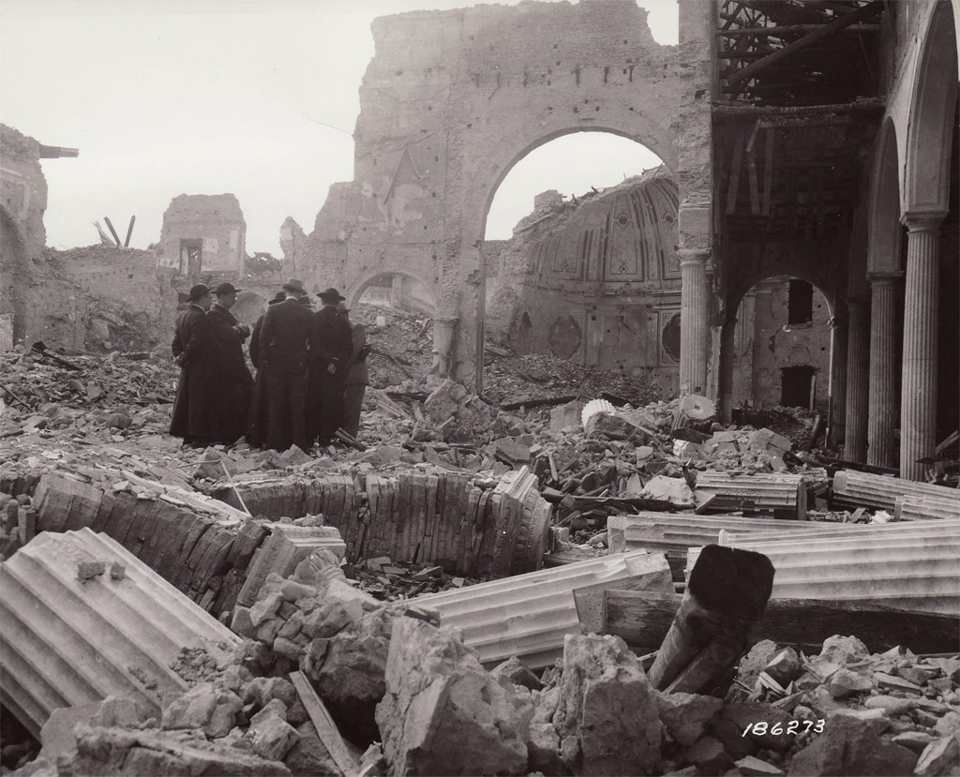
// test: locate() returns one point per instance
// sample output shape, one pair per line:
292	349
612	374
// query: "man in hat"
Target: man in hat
235	380
287	346
355	375
195	349
255	337
326	378
257	421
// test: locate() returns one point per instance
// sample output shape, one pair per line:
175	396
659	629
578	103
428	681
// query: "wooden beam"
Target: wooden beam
734	184
642	619
327	730
788	51
768	171
789	29
739	108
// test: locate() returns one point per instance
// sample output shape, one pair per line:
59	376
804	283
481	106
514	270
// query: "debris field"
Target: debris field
548	579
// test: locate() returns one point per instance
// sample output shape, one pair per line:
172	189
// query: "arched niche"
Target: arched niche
932	111
356	291
885	231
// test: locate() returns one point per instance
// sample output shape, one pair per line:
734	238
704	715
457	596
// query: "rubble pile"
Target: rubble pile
116	393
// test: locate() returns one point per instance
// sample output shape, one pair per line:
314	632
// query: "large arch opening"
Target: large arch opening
777	351
398	310
932	283
579	257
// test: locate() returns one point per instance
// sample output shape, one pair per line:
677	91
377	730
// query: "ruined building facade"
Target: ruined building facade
811	141
203	235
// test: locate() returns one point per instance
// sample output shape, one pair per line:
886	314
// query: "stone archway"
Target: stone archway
443	121
927	176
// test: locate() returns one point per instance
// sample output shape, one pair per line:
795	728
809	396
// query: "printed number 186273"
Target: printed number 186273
761	727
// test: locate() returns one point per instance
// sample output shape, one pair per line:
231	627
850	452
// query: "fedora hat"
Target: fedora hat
198	291
225	288
331	294
294	285
278	297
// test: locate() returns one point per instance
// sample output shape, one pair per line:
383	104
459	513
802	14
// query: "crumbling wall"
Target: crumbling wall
131	303
216	221
451	101
23	199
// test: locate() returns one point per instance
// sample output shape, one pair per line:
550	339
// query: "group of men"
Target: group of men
311	370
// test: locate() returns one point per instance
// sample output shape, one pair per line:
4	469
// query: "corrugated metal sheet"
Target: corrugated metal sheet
66	642
861	489
911	565
528	615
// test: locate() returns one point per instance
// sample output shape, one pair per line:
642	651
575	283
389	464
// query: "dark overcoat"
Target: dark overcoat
198	394
287	344
325	390
236	383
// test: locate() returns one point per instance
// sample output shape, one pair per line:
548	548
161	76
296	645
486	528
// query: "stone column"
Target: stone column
763	331
858	363
918	396
693	321
883	393
728	346
838	383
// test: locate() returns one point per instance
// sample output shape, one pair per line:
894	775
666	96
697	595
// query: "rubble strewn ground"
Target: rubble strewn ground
400	694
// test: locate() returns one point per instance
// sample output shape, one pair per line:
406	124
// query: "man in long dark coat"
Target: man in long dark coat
257	424
287	344
326	385
195	349
356	375
235	380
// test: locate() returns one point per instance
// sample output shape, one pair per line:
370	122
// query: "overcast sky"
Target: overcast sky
254	97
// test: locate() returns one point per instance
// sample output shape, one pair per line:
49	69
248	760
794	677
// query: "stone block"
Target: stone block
845	682
708	756
442	713
513	671
687	715
270	735
607	717
565	416
939	758
280	553
852	747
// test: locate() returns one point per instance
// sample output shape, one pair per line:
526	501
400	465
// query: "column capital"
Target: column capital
923	220
689	256
880	277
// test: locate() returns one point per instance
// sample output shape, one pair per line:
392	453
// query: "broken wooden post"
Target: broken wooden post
326	729
112	231
126	243
725	597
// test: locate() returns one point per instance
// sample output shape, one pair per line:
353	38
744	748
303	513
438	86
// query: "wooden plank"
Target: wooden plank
768	171
733	186
642	619
326	729
752	170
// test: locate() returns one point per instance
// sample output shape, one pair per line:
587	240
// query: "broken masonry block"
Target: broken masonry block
136	630
910	565
117	571
862	489
442	713
607	716
528	615
280	553
87	570
778	495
